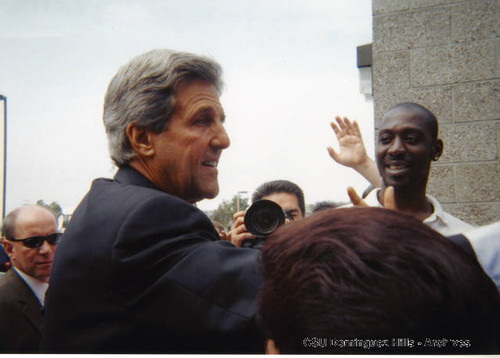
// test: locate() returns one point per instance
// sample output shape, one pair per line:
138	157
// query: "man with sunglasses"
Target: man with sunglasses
30	239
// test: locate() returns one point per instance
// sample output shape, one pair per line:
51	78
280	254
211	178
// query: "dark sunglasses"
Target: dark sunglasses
37	241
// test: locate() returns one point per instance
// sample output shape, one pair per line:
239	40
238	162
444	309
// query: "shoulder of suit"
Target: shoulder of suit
11	283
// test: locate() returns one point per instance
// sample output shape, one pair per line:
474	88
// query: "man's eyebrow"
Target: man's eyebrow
211	111
204	110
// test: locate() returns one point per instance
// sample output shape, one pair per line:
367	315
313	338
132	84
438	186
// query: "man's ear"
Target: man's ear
271	347
438	149
140	140
8	248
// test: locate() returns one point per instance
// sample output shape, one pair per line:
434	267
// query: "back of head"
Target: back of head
143	91
280	186
324	205
360	278
218	226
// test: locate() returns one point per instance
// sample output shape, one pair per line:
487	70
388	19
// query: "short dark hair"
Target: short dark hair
429	117
350	275
323	205
280	186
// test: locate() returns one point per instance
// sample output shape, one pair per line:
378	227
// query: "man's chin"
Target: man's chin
205	194
42	276
396	182
402	188
212	193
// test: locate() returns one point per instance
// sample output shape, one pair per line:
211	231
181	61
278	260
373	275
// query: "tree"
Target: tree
53	206
56	209
225	211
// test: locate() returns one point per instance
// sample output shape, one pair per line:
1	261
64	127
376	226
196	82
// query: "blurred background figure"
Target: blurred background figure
220	229
370	280
323	205
30	238
4	260
484	241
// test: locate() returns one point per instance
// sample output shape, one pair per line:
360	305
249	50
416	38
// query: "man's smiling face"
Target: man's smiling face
187	152
405	148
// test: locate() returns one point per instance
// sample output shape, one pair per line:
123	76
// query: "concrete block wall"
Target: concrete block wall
445	55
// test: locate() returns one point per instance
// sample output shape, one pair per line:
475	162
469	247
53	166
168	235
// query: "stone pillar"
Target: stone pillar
445	55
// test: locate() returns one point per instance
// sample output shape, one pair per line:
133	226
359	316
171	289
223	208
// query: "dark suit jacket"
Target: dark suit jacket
140	271
20	315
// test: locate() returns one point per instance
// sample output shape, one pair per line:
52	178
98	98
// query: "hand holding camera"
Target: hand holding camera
250	229
239	232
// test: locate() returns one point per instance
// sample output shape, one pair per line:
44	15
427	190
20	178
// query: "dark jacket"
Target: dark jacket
141	271
20	315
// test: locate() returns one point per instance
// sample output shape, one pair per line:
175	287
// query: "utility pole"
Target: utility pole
4	186
238	200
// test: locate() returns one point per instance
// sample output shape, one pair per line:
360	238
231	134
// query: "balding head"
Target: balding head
28	222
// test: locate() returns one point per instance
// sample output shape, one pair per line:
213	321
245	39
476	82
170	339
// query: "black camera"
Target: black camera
261	219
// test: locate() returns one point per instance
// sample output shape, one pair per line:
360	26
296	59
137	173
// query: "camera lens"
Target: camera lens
263	217
265	221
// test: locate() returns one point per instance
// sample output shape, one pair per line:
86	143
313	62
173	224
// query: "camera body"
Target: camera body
261	219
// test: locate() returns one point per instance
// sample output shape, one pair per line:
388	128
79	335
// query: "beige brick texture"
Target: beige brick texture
445	55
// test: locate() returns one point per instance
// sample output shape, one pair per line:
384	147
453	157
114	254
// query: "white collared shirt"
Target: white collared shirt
485	241
38	287
444	223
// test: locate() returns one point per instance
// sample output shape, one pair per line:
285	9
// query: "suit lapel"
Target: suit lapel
26	300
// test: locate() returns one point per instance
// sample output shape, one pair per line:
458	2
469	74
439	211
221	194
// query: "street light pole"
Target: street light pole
4	99
238	200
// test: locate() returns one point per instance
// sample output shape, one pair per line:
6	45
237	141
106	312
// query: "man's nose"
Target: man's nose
221	139
46	248
397	146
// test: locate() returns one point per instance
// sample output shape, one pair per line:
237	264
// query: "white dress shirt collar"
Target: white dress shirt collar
38	287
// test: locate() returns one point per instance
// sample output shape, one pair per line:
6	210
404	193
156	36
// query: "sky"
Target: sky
289	68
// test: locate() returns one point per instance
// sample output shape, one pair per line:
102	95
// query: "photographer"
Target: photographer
286	194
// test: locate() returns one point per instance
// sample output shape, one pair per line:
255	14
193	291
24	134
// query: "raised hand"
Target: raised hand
352	150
